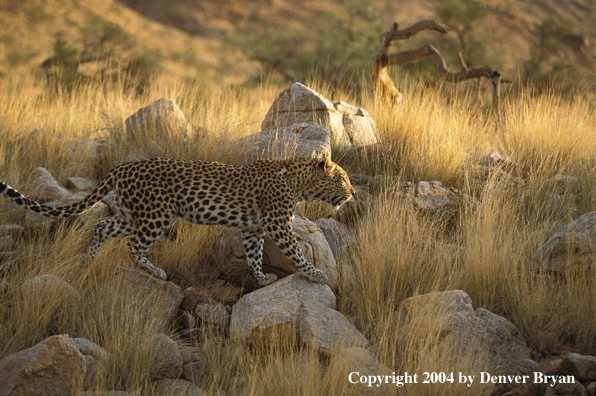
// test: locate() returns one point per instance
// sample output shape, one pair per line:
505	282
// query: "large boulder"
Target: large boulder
142	297
159	119
299	104
276	305
468	338
296	308
572	247
53	367
295	141
310	238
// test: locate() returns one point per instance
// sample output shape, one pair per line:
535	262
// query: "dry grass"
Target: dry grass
433	136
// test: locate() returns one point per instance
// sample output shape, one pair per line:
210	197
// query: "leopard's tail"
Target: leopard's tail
102	189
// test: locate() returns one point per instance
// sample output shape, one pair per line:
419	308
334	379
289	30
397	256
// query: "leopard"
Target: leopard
259	199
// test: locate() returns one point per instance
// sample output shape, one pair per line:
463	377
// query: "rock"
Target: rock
572	389
53	295
54	366
326	330
162	118
96	212
468	338
185	320
191	298
299	104
195	372
226	294
79	184
89	348
92	366
166	360
495	158
583	368
12	230
572	247
552	367
338	235
432	199
310	238
295	141
44	188
361	361
142	296
276	305
591	388
6	243
168	387
212	314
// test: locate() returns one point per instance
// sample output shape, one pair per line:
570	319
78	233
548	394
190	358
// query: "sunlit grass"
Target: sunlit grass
432	136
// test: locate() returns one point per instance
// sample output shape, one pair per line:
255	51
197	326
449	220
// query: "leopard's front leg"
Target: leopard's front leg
253	248
285	239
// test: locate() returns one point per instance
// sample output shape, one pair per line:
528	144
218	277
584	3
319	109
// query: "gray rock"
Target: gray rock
44	188
168	387
468	338
432	199
572	247
583	368
195	372
89	348
42	286
361	361
295	141
161	118
310	238
166	360
54	366
338	235
327	330
299	104
572	389
212	314
6	243
79	184
142	296
276	306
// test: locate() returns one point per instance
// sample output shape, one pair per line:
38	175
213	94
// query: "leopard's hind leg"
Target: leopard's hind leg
115	227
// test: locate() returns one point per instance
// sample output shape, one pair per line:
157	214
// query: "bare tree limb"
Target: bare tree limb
381	60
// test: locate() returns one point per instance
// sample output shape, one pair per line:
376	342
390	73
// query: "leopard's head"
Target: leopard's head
333	185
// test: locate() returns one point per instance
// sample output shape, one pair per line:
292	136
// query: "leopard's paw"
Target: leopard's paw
267	279
317	275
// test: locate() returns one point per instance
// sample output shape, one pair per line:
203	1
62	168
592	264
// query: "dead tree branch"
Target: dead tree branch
381	60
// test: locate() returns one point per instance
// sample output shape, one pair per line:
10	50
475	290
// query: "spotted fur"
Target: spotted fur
260	198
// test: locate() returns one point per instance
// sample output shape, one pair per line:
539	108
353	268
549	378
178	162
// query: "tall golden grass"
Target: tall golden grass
437	134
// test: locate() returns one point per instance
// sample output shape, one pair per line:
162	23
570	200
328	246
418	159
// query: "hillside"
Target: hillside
232	41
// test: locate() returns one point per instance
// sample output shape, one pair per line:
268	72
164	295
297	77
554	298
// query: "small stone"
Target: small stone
79	184
582	367
166	359
212	314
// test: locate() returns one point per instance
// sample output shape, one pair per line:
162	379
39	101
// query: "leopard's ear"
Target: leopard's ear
326	166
